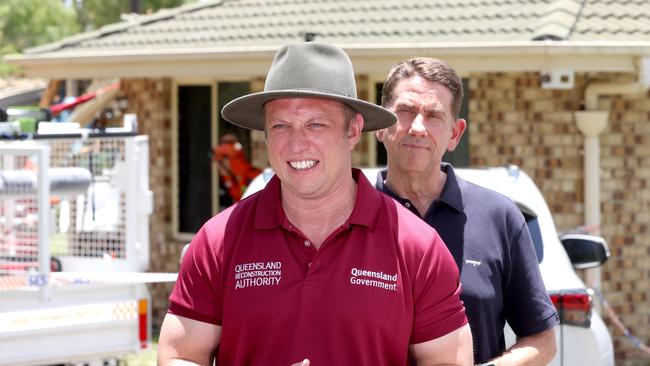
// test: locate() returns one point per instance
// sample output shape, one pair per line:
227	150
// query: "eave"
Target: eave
367	58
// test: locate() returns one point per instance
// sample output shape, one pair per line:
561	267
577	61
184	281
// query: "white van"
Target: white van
582	337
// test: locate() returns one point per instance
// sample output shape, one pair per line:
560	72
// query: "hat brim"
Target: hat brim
248	111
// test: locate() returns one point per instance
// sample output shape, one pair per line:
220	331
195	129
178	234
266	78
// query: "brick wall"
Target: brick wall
150	99
514	121
625	193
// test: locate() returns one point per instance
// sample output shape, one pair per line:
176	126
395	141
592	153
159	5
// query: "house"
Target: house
18	92
558	87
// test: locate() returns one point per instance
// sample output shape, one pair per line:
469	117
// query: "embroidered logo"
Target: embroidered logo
473	263
374	279
258	274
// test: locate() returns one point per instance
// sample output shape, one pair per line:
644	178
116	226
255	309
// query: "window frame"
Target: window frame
214	128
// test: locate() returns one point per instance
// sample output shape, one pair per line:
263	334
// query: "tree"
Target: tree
28	23
93	14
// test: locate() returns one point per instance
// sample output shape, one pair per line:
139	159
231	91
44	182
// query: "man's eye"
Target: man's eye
278	126
435	117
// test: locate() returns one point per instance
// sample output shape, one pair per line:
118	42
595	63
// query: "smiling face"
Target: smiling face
308	146
426	126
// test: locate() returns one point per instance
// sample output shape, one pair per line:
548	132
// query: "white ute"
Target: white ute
74	248
582	337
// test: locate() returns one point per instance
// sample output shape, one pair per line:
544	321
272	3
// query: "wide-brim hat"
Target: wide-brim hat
307	70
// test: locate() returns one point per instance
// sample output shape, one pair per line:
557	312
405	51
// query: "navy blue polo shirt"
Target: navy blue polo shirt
489	240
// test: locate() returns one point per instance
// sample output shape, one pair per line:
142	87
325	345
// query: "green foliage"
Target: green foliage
93	14
28	23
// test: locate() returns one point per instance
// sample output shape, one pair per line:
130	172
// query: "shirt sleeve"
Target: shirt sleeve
197	292
527	305
438	308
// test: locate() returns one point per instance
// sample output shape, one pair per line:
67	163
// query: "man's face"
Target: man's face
425	128
308	146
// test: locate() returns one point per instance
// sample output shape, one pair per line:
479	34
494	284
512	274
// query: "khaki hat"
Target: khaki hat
307	70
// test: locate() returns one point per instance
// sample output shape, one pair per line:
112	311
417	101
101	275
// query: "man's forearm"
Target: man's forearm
454	348
178	363
535	350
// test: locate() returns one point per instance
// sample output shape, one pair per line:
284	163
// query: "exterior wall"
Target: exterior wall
514	121
625	193
360	154
150	99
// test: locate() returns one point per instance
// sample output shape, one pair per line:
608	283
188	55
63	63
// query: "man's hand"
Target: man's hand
304	362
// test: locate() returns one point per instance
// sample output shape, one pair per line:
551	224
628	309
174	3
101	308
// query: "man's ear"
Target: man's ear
355	129
456	133
380	134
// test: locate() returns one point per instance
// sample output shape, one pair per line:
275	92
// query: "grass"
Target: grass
144	358
59	244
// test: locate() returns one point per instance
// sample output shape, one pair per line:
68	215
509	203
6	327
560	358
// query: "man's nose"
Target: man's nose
417	126
298	139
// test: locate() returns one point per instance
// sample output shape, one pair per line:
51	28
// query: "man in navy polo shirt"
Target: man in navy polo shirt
485	232
318	268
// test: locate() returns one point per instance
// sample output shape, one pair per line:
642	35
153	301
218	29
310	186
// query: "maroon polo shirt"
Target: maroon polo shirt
381	281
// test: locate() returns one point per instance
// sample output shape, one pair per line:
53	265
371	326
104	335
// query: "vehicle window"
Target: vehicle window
533	228
536	235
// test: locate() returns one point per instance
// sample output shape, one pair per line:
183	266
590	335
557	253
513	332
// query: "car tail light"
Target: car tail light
573	307
143	307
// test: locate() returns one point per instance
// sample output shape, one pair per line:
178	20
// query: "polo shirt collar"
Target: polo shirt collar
270	215
367	206
451	194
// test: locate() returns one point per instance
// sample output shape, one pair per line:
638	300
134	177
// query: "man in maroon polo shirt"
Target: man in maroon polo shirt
318	266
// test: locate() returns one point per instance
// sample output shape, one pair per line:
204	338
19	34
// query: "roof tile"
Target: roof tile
225	24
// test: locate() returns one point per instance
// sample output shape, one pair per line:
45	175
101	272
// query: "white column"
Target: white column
592	124
71	87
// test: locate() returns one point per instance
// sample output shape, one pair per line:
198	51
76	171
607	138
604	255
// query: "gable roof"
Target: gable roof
254	23
235	26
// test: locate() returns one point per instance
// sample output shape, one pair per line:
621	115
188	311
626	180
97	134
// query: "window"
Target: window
533	227
226	92
198	128
193	156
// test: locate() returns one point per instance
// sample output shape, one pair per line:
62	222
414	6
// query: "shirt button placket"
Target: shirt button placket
308	252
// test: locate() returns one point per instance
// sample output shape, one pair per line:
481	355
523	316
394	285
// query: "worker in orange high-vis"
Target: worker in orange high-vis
235	172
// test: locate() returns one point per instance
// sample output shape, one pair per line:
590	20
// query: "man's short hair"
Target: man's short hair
430	69
349	114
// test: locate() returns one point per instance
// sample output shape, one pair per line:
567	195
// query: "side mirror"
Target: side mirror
185	247
585	251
